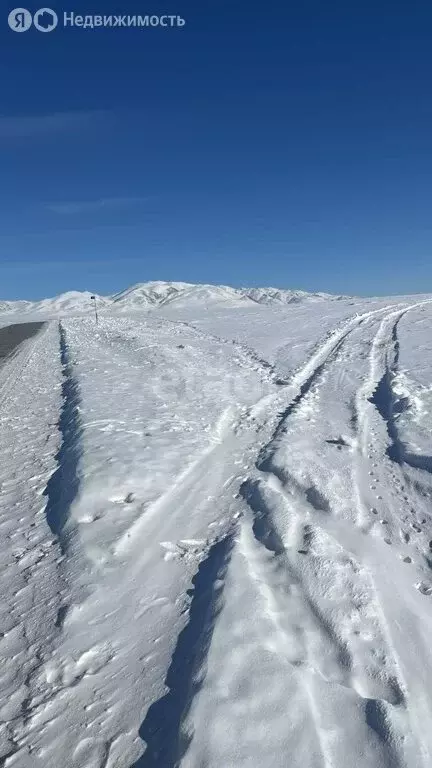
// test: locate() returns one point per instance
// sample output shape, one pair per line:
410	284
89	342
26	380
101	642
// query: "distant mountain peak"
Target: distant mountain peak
156	294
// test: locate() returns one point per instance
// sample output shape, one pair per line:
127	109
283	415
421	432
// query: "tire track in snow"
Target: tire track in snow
258	494
384	702
297	389
316	648
376	409
161	729
266	533
234	441
389	405
306	535
376	442
309	376
383	365
193	488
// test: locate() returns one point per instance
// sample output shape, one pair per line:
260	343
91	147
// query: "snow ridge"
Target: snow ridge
155	294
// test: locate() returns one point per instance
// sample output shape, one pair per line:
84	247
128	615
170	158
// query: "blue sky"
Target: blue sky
272	143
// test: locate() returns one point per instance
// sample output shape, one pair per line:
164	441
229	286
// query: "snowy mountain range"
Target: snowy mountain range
154	294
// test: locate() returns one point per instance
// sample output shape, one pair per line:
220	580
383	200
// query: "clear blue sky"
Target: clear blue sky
272	143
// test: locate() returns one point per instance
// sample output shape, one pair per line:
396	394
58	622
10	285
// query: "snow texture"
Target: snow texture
216	532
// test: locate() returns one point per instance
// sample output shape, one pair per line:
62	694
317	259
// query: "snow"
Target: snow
154	295
30	398
71	302
216	533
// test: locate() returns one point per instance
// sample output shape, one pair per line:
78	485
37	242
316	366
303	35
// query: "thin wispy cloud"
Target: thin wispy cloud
36	126
91	206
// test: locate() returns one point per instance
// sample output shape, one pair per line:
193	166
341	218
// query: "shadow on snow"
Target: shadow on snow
161	728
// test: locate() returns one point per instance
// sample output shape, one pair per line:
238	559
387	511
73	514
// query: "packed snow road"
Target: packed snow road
12	336
214	552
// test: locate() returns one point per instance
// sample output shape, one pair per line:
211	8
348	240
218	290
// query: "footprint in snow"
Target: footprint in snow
424	587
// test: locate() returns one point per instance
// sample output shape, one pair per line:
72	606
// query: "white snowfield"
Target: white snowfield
216	535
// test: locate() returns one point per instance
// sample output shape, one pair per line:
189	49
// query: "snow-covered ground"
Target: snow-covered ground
216	535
